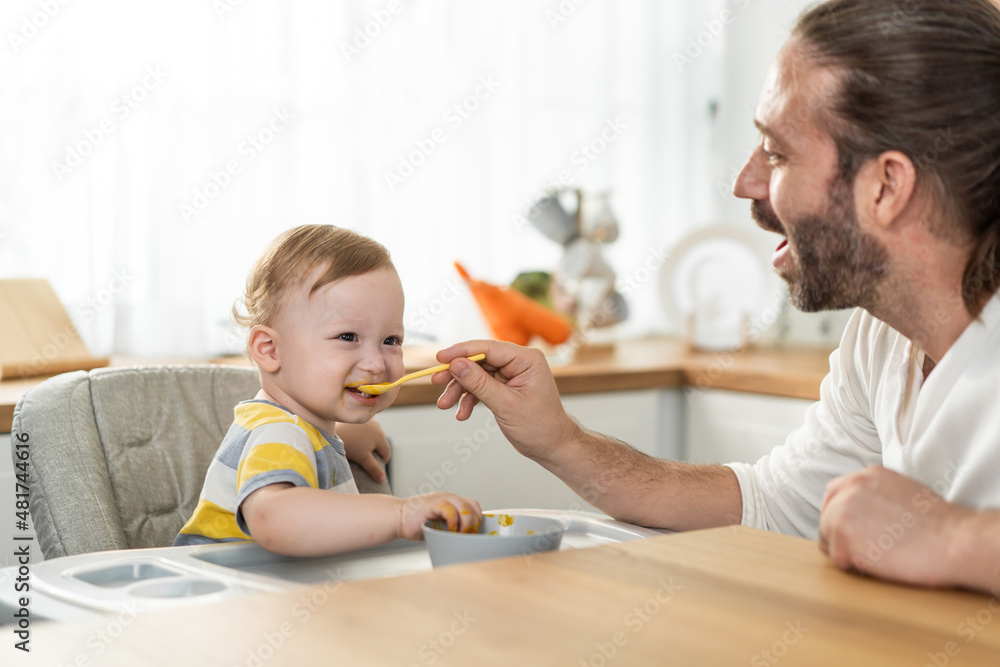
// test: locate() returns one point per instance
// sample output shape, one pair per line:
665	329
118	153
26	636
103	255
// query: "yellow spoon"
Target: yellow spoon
386	386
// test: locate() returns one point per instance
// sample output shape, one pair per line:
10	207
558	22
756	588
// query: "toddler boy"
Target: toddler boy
324	311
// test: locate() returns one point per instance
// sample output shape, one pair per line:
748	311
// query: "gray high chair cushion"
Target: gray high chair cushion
118	455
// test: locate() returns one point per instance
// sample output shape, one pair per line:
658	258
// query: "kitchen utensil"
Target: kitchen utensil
386	386
718	287
499	536
551	219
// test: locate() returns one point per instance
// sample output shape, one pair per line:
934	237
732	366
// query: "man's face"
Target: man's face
827	258
348	332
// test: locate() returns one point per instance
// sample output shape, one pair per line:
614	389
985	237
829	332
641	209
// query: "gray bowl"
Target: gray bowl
499	536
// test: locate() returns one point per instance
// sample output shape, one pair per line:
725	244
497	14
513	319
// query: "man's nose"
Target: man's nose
753	181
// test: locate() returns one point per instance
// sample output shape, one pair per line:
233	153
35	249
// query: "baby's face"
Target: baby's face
348	332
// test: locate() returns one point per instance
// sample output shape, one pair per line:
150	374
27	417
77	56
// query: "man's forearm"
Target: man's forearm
634	487
974	558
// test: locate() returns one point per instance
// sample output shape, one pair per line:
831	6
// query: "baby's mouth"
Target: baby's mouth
357	390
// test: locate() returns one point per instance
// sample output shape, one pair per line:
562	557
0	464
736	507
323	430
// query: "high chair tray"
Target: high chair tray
137	580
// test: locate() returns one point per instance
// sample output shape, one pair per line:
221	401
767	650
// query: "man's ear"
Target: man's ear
264	348
884	188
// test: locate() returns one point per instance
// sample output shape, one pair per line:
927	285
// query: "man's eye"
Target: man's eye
349	337
393	340
770	156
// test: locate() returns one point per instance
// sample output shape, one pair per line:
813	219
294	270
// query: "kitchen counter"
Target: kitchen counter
637	364
724	596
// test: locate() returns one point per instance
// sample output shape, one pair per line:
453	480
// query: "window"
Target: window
150	150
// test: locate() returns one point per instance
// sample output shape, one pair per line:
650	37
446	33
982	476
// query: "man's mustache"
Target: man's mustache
765	217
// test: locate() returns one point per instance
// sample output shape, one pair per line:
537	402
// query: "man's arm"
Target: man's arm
515	383
635	487
883	523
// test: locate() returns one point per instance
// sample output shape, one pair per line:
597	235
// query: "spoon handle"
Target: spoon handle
434	369
386	386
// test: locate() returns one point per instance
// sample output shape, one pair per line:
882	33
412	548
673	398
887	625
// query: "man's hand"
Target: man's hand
882	523
516	384
362	442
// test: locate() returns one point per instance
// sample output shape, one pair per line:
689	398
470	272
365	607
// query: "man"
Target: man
879	164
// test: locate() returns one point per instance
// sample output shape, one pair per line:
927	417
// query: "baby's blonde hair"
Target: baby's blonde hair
296	253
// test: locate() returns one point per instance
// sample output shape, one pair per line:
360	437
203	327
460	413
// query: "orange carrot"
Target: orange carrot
514	317
538	319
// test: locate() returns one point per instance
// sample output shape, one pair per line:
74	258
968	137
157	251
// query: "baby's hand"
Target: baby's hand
362	442
461	514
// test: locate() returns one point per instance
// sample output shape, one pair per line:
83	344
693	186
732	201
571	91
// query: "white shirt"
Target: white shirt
875	407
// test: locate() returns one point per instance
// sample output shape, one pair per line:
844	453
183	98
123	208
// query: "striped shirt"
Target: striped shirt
266	444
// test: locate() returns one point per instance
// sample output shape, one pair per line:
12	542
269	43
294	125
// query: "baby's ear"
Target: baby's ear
263	345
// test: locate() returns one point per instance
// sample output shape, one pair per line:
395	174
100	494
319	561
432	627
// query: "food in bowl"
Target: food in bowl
498	536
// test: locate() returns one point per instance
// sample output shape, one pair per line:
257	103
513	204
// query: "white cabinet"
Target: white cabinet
724	426
434	452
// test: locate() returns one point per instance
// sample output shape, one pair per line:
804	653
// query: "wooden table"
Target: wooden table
726	596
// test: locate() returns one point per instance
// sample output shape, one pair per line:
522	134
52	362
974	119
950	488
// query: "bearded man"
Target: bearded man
879	165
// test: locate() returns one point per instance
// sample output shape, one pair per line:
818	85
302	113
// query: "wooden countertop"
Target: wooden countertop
639	364
663	362
726	596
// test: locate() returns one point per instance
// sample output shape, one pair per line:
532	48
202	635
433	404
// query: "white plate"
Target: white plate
718	287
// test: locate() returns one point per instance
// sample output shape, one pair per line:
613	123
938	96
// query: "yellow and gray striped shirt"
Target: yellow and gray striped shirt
265	445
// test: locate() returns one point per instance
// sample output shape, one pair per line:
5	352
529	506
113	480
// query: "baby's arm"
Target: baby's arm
304	521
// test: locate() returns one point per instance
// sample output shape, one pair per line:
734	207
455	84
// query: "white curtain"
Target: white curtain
149	150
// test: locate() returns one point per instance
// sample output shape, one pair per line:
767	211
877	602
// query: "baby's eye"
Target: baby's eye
349	337
393	340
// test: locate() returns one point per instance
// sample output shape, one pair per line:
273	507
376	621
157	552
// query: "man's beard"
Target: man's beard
835	263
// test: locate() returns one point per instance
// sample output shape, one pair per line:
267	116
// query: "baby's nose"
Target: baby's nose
372	362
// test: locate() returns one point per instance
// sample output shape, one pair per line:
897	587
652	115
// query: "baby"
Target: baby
324	309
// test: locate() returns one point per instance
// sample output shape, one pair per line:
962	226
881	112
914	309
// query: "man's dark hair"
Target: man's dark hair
922	77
